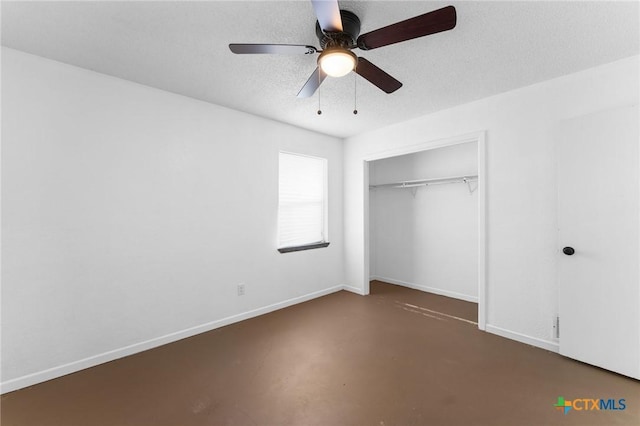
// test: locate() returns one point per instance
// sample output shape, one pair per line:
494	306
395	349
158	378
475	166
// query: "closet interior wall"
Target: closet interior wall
426	237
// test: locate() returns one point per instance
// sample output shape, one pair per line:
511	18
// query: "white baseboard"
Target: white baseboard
427	289
523	338
355	290
72	367
518	337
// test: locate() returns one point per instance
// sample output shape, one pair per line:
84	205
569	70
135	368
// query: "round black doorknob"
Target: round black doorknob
568	251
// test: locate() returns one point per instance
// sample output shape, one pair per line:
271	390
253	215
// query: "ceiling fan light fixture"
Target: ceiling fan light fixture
337	62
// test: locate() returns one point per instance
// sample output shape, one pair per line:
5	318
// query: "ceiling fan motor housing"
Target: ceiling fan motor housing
345	38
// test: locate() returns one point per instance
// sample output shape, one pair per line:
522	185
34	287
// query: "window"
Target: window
302	205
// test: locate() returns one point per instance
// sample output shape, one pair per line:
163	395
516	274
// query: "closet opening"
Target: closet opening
426	228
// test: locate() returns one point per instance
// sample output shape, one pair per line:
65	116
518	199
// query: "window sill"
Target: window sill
305	247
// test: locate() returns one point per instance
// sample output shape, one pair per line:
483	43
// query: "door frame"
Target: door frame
479	138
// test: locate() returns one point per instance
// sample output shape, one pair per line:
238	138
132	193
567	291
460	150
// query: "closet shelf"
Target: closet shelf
426	182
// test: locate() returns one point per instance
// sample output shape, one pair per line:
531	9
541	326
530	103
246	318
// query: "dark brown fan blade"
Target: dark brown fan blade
285	49
328	13
376	76
312	84
430	23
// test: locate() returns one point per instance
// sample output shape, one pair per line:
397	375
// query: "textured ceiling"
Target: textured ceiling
182	47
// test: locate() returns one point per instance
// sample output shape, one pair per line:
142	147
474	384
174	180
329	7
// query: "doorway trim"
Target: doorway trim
478	137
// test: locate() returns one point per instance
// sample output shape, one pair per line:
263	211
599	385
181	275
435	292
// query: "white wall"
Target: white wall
521	187
150	207
130	214
427	240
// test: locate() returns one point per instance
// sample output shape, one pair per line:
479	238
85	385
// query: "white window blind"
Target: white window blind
301	202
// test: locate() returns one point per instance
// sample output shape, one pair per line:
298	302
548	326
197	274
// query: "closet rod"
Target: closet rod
425	182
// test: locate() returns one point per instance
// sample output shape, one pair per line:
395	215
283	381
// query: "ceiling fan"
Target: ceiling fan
338	32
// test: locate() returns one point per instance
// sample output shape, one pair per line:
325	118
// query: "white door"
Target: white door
598	216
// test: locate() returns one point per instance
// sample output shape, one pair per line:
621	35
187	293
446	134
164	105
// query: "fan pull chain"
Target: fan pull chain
319	84
355	92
